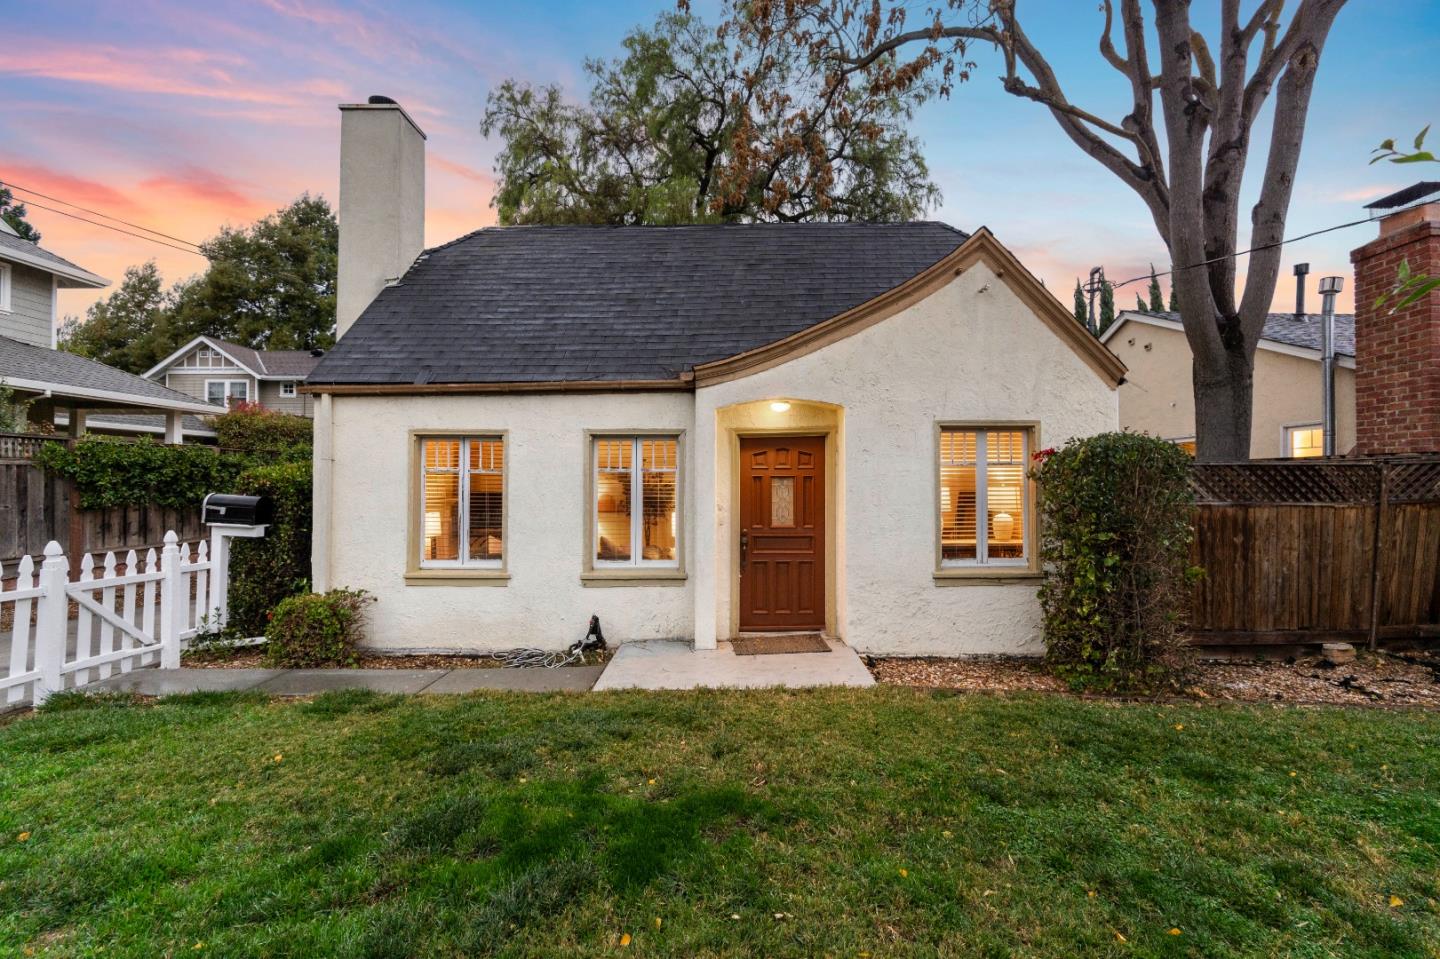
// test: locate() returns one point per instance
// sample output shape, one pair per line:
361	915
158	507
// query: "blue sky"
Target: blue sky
184	119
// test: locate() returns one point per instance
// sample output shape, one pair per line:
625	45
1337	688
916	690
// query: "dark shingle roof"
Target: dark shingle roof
61	371
36	255
1305	333
550	304
295	363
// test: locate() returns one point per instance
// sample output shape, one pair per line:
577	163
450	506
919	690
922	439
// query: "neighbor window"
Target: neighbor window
4	288
287	389
207	357
462	501
1186	443
227	392
635	497
1304	441
983	496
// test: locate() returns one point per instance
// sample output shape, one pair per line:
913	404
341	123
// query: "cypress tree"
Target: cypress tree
1157	302
1082	314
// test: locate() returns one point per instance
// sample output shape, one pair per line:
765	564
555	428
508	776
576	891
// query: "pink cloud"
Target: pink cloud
461	170
74	189
196	184
171	71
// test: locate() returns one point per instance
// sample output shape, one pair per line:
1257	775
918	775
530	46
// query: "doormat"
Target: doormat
771	645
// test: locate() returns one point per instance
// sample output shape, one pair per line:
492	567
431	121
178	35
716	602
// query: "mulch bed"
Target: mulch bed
1374	679
248	659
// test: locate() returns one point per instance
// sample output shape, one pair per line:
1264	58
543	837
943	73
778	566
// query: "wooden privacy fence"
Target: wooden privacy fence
1323	551
37	506
130	612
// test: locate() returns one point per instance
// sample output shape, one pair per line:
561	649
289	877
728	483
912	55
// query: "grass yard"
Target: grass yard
884	822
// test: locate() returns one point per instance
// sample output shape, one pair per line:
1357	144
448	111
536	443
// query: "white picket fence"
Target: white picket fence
139	617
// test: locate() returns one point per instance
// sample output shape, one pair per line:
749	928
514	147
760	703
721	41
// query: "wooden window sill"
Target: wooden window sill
457	577
982	576
633	577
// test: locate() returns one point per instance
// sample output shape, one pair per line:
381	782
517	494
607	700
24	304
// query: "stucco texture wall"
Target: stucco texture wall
543	603
972	351
1157	398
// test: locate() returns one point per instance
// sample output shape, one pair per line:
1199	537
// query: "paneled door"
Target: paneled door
782	533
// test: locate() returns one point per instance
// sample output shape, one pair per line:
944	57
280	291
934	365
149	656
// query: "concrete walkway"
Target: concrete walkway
673	664
308	682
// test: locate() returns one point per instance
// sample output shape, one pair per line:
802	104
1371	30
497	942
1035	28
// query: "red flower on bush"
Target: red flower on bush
1041	456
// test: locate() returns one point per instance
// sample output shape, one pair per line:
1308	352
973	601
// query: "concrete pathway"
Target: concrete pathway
673	664
308	682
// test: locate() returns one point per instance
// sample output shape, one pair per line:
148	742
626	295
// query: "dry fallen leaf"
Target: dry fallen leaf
657	922
23	837
904	872
1091	894
1179	725
1396	902
1119	936
625	939
278	757
1174	932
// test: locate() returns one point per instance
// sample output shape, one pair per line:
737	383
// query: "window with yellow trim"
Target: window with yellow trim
984	506
462	502
635	501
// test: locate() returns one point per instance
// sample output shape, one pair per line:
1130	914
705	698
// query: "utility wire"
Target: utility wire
1254	249
104	216
138	236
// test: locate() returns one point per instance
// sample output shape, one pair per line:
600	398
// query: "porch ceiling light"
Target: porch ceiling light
779	406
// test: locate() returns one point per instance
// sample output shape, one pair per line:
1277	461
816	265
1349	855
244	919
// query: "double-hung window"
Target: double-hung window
4	288
1302	442
462	502
226	393
287	389
635	501
984	496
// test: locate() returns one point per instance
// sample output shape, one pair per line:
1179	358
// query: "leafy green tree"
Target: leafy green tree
1157	302
1173	304
120	330
1140	303
14	214
1107	306
670	129
1082	309
269	286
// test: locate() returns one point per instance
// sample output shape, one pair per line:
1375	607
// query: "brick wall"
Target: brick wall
1397	355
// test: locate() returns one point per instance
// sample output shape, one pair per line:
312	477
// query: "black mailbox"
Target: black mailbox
229	509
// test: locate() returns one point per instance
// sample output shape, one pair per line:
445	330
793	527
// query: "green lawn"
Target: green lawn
880	822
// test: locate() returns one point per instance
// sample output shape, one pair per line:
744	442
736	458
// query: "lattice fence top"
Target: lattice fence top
1407	480
1286	483
1413	481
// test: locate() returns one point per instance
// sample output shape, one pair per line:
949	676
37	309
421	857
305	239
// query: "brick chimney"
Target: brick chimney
382	202
1397	355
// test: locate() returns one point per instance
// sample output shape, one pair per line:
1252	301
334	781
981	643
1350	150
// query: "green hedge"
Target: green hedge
1116	513
251	427
265	571
109	472
315	630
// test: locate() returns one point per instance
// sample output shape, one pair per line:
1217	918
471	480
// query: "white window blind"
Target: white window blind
636	497
983	496
462	501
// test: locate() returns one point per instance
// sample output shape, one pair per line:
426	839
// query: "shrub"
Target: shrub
1115	544
265	571
253	428
111	472
316	629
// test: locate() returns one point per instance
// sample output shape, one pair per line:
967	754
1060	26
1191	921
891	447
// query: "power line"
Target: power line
138	236
1254	249
105	216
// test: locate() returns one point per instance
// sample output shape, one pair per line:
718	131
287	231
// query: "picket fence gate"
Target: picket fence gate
137	614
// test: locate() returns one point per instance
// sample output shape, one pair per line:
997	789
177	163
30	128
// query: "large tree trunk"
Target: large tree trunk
1224	389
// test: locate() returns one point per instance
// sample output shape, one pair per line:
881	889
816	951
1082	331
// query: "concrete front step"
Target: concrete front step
675	664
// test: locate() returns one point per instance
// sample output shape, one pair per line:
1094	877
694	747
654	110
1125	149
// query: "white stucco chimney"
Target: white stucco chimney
382	202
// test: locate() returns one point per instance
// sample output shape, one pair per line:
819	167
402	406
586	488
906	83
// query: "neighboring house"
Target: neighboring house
691	432
66	390
1157	396
224	373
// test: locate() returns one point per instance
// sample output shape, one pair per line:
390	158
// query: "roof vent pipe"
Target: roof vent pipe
1301	270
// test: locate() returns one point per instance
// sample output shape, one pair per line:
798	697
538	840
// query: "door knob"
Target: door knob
744	547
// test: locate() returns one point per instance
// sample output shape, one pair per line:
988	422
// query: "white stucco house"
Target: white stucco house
692	432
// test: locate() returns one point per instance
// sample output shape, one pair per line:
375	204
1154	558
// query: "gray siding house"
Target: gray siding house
220	372
64	390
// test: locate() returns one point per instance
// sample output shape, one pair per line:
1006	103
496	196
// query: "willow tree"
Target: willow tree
1185	160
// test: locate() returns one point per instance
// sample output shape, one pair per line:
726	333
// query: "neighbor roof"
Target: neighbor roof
18	250
39	369
1279	328
544	304
266	364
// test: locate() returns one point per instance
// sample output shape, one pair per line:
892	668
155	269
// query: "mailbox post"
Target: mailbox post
230	517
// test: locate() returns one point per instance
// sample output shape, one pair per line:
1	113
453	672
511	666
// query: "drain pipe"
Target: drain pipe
1329	287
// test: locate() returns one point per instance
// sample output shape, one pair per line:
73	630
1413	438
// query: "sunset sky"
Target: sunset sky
184	117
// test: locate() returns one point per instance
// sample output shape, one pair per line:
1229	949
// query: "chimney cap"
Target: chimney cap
377	99
1406	196
1302	268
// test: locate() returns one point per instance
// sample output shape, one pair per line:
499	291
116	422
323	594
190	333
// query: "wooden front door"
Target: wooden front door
782	533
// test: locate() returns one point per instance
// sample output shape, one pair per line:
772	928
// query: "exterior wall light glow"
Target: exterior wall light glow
779	406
